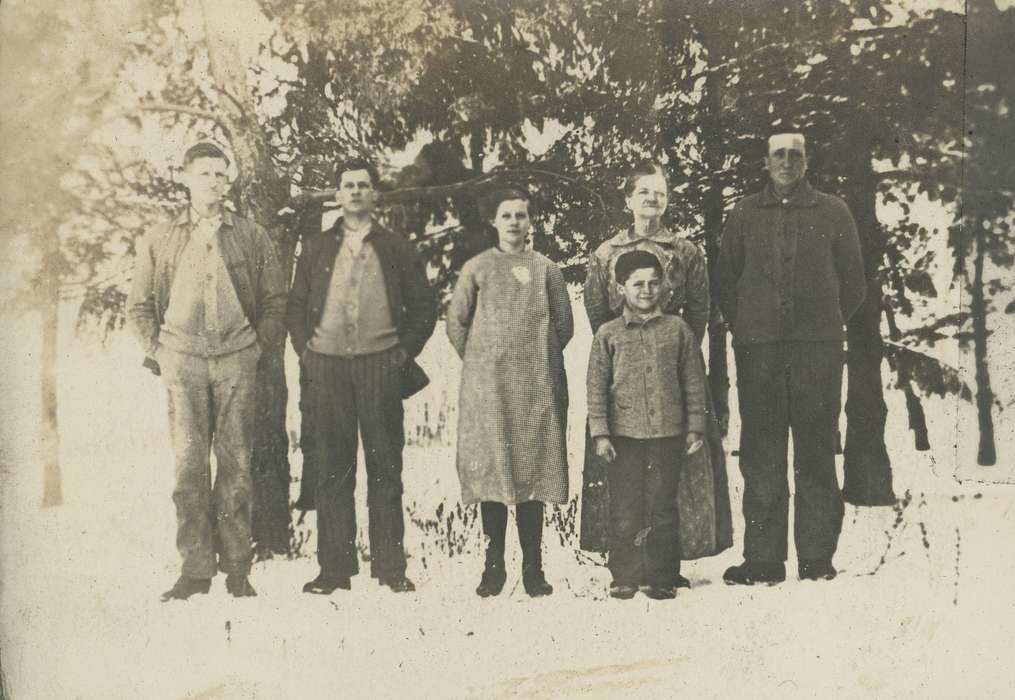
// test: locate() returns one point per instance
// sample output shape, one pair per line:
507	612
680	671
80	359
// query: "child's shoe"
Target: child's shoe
535	583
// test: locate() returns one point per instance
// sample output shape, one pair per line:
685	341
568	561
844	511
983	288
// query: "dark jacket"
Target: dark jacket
789	270
412	300
249	256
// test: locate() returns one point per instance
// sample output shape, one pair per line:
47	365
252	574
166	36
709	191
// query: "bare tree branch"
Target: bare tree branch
408	194
179	109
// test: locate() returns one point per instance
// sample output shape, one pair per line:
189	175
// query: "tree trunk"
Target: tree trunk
477	147
867	469
262	192
914	407
987	453
718	365
52	490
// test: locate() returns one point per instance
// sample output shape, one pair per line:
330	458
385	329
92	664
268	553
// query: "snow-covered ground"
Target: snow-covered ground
923	606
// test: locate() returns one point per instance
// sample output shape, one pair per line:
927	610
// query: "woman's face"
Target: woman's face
512	223
649	197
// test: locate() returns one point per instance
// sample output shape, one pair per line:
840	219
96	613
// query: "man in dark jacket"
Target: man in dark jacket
359	312
208	295
789	276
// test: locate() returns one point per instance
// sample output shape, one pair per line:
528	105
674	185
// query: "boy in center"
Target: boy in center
646	407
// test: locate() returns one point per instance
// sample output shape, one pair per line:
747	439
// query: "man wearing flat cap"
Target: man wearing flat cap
208	296
788	278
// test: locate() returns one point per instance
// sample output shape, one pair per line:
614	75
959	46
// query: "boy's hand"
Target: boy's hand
604	448
694	443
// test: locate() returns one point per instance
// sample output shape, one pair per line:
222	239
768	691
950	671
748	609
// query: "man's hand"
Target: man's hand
694	442
604	448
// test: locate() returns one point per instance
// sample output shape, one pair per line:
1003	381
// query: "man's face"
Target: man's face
649	197
207	180
356	193
641	290
786	166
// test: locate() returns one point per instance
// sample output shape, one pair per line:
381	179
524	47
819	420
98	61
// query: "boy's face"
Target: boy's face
641	290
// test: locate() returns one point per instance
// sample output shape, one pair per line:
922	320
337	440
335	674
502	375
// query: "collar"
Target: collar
803	196
633	317
337	229
626	238
184	218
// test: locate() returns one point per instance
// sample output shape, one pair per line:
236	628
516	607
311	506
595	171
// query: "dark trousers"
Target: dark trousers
349	393
530	531
308	444
644	545
790	386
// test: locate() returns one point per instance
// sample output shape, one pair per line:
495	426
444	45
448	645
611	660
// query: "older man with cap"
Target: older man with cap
788	278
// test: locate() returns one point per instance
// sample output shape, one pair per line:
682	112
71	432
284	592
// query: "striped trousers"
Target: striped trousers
352	395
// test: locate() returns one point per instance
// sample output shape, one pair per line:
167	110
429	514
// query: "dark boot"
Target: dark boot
326	585
399	584
185	587
494	517
661	592
751	572
821	569
492	581
530	536
239	586
681	581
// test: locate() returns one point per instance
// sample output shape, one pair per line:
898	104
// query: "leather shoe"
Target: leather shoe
399	584
326	585
751	572
239	586
185	587
821	569
622	591
661	592
535	584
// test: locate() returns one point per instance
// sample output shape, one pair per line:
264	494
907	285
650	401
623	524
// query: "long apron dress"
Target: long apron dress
509	319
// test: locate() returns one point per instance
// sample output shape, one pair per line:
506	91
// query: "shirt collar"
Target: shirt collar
189	217
803	196
357	237
663	236
339	231
633	317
